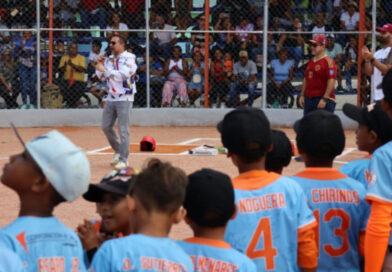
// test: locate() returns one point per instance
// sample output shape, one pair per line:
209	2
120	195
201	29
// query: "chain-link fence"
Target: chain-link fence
189	53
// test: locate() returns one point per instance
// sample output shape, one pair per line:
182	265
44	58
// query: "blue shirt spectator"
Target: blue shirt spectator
281	70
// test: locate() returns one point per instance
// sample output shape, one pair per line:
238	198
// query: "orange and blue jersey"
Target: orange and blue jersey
379	177
271	215
9	261
338	203
357	169
139	252
43	244
210	255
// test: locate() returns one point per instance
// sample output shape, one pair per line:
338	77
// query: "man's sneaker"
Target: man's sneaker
120	165
31	107
23	107
115	159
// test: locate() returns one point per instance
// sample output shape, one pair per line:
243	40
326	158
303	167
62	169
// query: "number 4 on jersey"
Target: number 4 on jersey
268	252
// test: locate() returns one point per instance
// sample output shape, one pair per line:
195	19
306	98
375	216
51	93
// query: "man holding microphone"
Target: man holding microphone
118	70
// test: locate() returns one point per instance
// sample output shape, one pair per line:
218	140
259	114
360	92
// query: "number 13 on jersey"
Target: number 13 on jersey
339	232
268	252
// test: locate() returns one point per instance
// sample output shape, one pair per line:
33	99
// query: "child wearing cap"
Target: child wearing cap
110	196
378	244
281	153
374	130
273	224
209	202
338	202
155	203
50	170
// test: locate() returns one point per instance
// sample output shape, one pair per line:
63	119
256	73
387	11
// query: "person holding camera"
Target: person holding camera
162	42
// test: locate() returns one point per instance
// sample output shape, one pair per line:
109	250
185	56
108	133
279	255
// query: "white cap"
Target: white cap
64	164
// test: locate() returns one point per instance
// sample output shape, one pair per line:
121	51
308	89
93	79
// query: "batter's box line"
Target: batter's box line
193	140
142	154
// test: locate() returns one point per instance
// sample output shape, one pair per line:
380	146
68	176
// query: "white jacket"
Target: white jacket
120	76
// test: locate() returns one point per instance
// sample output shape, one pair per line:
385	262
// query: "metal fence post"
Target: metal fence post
38	42
265	54
147	54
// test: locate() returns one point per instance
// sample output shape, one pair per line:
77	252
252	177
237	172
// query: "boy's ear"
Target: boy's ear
40	184
373	136
187	220
131	202
179	215
271	147
386	107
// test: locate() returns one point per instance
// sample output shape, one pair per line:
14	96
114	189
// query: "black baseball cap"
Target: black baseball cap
373	117
117	182
245	131
320	134
209	198
282	150
387	87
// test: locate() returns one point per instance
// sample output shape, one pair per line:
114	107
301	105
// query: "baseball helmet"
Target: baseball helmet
147	144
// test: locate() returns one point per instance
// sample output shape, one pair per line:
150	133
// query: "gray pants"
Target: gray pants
112	111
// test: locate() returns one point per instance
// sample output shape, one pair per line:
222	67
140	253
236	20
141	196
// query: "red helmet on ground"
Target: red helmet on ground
147	144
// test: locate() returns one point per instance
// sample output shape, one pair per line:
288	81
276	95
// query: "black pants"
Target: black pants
9	97
278	94
72	94
155	94
219	91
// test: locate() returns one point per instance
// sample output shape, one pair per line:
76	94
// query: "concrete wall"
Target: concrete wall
143	117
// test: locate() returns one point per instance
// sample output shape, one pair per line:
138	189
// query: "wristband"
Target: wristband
324	99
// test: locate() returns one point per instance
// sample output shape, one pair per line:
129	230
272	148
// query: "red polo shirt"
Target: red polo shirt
91	5
317	74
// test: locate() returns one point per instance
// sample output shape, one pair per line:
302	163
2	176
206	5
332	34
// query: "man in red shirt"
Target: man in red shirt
319	82
93	12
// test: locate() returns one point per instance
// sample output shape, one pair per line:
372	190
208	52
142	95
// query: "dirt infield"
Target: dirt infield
172	144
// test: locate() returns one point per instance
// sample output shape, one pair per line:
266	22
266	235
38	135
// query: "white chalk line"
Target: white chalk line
346	152
190	141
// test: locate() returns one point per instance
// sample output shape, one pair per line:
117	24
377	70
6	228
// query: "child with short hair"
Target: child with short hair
281	153
50	170
374	130
209	202
378	244
110	197
154	201
273	225
337	200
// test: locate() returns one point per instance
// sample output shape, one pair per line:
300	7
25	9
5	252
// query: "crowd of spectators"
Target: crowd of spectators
179	71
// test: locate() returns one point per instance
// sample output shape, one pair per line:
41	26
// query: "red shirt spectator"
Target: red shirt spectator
91	5
133	6
317	75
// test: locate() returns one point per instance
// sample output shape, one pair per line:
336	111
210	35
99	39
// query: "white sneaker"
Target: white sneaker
120	165
115	159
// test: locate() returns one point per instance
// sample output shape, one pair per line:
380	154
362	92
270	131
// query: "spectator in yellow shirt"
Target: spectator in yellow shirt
72	83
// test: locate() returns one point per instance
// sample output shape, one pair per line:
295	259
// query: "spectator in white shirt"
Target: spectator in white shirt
378	64
349	19
319	26
117	25
162	42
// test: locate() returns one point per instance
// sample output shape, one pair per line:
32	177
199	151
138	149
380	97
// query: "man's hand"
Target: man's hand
301	101
100	62
366	54
322	104
101	59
